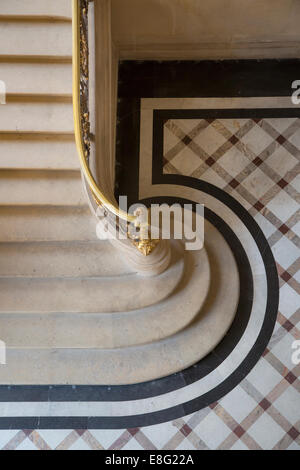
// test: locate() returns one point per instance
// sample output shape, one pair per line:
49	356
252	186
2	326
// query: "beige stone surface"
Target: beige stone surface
125	329
103	94
82	294
135	363
193	21
36	7
61	259
48	78
193	29
103	105
41	187
35	38
152	265
40	155
38	117
46	223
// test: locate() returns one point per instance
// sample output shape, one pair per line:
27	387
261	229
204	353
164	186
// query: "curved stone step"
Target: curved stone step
87	294
121	330
143	362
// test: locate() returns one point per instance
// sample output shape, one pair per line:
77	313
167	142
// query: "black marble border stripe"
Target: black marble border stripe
207	78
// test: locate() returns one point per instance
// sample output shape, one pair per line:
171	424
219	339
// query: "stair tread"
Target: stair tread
103	331
35	38
29	187
38	155
46	223
48	78
86	294
60	259
37	117
37	7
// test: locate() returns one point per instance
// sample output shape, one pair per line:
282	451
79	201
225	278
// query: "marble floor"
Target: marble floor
237	150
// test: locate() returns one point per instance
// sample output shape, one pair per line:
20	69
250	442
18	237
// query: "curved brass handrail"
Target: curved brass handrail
78	119
142	240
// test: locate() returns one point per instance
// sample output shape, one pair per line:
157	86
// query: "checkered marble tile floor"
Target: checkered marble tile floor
257	162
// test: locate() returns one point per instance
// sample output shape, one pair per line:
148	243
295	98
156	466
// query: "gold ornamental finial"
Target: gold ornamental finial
146	247
144	243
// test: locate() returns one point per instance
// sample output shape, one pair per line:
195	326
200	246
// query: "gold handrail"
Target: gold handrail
78	124
141	241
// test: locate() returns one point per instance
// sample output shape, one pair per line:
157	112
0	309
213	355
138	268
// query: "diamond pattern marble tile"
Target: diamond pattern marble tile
266	431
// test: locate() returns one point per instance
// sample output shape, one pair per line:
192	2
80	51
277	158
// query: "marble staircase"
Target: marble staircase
71	309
